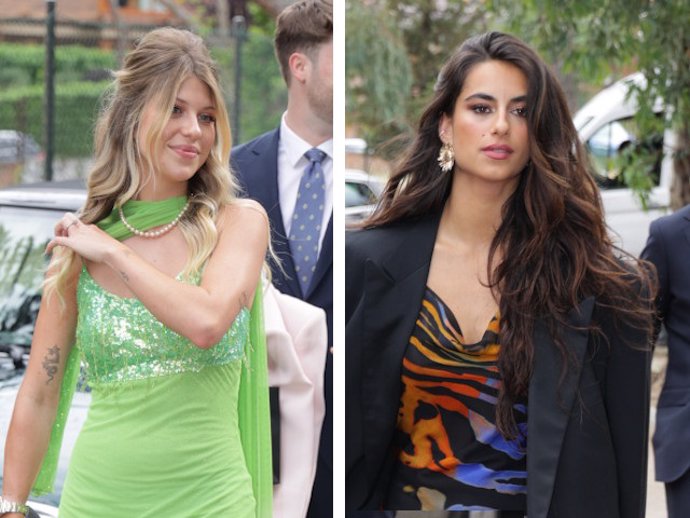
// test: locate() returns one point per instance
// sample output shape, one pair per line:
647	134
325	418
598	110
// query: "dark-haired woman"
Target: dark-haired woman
497	347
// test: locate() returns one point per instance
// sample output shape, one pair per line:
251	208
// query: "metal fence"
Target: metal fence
85	54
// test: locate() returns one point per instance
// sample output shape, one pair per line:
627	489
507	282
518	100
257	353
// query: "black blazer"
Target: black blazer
587	438
256	166
668	247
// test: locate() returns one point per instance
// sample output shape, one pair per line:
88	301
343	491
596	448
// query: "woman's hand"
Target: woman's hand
88	241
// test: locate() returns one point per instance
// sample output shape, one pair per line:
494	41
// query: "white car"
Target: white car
27	217
606	126
362	191
17	147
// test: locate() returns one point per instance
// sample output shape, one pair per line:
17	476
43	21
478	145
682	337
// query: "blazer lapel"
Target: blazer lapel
550	403
262	181
325	260
259	165
393	295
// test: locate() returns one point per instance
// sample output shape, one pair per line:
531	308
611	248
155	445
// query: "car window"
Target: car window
16	147
609	149
358	194
24	234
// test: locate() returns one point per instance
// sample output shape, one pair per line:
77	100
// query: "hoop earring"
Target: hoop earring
446	157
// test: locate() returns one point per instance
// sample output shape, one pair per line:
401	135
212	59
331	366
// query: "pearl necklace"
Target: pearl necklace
150	234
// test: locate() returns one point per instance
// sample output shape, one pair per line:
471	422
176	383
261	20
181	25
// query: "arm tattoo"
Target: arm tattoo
123	274
50	362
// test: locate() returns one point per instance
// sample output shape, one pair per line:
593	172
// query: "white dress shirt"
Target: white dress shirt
291	166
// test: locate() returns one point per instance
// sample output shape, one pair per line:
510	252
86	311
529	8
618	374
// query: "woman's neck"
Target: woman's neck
474	209
150	193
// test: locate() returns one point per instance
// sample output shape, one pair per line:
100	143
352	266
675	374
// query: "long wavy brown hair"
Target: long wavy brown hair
555	249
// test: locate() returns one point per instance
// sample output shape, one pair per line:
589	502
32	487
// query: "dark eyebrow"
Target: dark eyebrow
487	97
205	108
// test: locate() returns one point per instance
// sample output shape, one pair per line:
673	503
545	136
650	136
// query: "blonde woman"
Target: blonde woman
153	282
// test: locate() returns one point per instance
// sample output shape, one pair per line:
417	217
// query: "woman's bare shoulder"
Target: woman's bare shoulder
242	209
243	219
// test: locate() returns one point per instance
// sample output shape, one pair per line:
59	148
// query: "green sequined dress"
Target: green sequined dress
161	438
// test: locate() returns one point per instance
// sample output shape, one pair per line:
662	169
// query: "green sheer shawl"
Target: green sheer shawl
253	405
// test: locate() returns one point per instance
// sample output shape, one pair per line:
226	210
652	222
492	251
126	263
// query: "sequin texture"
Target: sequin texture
120	340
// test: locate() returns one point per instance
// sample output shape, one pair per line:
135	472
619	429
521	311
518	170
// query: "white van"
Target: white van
606	126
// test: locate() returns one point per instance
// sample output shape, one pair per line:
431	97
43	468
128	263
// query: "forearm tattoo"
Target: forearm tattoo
51	361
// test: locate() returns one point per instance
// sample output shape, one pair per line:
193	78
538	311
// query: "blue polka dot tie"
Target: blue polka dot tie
306	220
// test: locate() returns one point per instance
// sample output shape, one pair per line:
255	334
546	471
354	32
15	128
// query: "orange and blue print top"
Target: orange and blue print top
450	456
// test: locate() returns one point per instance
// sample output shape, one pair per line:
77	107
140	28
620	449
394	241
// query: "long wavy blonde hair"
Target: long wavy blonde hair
153	73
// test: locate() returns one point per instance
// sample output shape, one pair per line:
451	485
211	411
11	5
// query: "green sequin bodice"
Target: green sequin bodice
120	340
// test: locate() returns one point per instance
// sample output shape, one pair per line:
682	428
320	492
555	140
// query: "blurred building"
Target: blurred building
94	21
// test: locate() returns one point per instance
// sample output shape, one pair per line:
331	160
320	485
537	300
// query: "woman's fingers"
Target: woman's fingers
62	231
84	239
66	222
74	223
56	241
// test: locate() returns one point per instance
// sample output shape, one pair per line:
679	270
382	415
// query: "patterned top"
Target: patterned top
120	340
451	456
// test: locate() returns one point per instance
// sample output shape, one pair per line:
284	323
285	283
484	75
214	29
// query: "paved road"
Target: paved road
656	500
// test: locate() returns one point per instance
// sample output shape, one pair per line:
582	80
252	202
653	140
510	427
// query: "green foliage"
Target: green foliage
599	38
76	96
76	106
431	31
378	71
263	92
636	163
395	49
14	76
24	64
260	20
263	98
23	260
394	52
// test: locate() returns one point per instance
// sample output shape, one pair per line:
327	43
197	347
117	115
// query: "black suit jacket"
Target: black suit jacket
256	166
587	438
668	247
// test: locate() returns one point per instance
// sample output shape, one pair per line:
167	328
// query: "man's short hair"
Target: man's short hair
301	27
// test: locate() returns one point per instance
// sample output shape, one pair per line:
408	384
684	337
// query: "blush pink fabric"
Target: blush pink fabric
296	338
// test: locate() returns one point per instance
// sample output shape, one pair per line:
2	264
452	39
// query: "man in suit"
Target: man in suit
668	248
294	163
